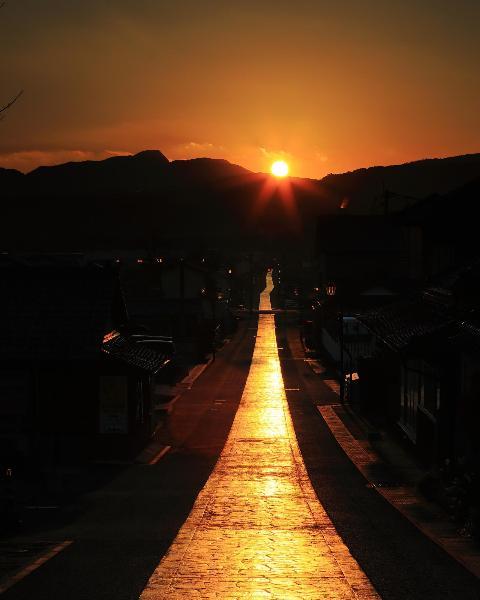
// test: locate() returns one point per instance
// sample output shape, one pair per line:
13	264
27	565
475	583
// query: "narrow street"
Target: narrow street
257	529
255	500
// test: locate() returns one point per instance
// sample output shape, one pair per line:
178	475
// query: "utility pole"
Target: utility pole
182	298
341	340
386	202
331	290
250	262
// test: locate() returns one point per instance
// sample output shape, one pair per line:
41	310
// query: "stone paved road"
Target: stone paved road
257	529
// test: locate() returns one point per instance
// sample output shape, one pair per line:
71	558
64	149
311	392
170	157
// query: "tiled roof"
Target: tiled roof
126	350
466	336
442	317
398	324
54	313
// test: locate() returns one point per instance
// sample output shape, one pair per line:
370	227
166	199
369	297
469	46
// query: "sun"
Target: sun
279	168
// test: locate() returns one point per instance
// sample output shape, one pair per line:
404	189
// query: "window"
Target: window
411	393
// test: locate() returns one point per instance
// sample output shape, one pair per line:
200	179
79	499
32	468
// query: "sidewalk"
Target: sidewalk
393	473
156	449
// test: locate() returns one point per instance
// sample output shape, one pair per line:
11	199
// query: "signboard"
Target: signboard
113	404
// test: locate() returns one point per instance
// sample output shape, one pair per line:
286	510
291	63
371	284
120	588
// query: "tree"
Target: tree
6	106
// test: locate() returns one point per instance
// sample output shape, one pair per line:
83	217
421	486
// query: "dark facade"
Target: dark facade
59	362
421	375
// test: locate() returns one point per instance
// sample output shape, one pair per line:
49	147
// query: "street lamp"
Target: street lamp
229	279
331	290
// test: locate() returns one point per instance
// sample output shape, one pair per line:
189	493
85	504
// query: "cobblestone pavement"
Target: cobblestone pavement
257	529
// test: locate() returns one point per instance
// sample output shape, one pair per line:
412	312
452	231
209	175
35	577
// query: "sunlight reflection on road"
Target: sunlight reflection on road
257	529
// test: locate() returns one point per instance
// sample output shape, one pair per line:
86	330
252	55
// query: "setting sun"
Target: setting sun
280	168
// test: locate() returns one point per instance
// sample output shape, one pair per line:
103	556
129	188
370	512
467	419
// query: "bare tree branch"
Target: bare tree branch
3	109
11	103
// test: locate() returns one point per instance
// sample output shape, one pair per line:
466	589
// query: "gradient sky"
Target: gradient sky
329	86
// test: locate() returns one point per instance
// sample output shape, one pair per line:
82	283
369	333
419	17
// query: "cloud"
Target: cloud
200	149
274	154
27	160
197	146
321	157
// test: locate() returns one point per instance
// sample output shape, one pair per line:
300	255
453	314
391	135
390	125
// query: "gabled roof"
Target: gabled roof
444	312
55	313
130	352
466	336
400	323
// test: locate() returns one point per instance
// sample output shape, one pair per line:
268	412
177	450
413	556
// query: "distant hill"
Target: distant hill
130	200
364	187
10	179
118	173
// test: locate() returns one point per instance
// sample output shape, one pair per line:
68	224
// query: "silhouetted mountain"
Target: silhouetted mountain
131	200
118	173
364	188
206	169
9	179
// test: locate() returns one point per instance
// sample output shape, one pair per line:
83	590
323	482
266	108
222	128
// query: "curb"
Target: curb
195	373
184	385
438	528
154	451
152	454
404	498
37	562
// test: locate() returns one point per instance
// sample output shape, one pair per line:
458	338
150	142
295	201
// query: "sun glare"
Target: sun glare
280	168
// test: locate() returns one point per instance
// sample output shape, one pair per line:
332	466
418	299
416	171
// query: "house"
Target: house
62	370
421	375
335	331
129	369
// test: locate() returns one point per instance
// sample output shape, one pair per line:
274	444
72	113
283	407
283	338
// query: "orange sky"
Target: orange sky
327	86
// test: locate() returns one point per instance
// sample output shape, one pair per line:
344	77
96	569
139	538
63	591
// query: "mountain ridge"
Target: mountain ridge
153	153
145	195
